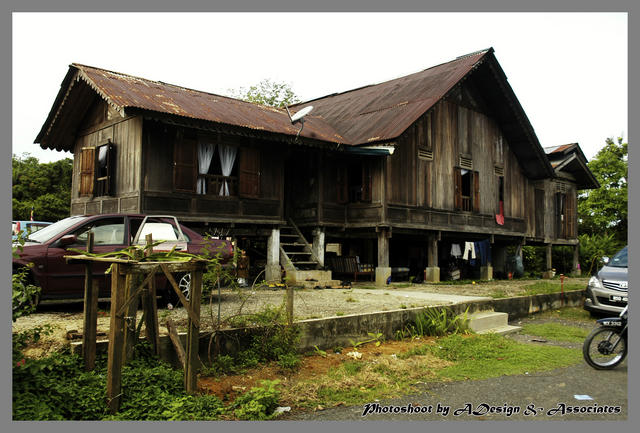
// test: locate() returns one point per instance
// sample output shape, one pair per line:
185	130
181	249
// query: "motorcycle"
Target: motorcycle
606	346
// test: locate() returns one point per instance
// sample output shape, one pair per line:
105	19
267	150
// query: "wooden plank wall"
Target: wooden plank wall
454	129
103	123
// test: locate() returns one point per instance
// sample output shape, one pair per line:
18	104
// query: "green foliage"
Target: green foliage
259	403
267	92
24	294
437	321
546	287
594	247
289	361
376	337
605	210
44	186
351	368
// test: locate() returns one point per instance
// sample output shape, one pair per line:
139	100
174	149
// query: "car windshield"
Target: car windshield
620	259
53	230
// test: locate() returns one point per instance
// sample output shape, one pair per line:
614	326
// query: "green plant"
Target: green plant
25	296
289	361
437	322
319	352
339	313
258	403
378	337
350	299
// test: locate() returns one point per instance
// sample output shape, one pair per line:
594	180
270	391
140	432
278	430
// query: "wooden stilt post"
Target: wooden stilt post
116	338
289	304
193	333
150	307
90	317
131	282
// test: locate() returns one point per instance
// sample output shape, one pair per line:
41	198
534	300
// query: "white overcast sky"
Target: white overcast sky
568	70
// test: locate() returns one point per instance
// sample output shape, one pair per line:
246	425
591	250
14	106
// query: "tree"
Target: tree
45	187
604	210
267	92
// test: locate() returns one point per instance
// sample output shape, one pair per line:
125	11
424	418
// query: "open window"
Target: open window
97	169
354	182
467	190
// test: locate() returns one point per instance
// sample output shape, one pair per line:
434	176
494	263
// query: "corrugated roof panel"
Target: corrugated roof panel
127	91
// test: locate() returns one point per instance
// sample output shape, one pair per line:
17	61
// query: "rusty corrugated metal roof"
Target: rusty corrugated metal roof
125	91
382	112
558	149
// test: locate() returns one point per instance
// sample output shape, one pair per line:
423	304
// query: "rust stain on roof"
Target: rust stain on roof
126	91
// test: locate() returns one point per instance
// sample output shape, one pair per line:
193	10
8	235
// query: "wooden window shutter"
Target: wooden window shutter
342	194
184	165
87	167
476	191
570	216
366	181
249	173
457	173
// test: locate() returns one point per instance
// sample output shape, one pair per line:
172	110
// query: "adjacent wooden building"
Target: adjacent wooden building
398	173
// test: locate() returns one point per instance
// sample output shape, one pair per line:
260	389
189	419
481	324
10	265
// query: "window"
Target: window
106	231
354	182
467	190
97	168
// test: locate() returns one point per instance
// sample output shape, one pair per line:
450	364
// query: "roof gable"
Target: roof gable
569	158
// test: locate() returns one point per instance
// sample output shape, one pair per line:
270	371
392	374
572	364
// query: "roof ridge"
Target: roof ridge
122	74
486	50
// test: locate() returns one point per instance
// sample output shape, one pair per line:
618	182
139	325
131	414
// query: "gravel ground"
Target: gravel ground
308	303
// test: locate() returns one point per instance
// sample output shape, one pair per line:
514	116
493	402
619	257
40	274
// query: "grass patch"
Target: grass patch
577	314
498	294
490	355
546	287
351	299
358	382
556	331
402	285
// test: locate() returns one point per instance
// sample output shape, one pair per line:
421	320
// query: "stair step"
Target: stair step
487	320
502	330
297	253
306	263
289	235
292	244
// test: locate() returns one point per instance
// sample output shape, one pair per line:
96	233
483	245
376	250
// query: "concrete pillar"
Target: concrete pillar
432	273
486	272
383	271
318	245
272	270
576	260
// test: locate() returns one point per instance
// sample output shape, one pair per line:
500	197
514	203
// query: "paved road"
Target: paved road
550	395
547	393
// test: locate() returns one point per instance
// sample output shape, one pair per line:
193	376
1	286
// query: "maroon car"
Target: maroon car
47	247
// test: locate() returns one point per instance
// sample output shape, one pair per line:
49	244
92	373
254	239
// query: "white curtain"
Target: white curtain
227	158
205	155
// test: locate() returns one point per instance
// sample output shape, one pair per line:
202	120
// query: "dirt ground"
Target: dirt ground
308	303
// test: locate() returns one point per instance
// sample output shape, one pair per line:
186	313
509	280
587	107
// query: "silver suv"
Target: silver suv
607	292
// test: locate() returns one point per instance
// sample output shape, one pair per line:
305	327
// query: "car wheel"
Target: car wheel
184	284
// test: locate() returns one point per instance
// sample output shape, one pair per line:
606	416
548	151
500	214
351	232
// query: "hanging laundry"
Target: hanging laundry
483	251
500	216
455	251
468	248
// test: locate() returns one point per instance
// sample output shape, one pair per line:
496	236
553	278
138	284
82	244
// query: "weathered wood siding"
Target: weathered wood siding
100	124
159	195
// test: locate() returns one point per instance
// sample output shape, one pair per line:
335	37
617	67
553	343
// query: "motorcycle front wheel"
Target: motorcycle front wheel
598	348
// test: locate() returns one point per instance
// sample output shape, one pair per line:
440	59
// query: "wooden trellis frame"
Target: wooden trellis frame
124	296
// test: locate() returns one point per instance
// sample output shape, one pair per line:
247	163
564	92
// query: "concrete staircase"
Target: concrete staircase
484	322
299	261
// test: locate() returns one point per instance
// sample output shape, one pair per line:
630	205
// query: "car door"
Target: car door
67	280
